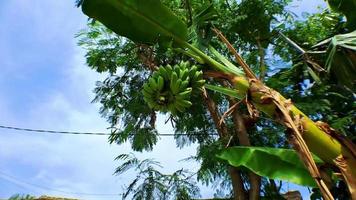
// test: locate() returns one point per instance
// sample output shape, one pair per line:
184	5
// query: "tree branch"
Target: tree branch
222	129
237	182
241	131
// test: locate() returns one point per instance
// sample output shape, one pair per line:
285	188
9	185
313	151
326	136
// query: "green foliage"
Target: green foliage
149	22
341	58
282	164
213	171
253	23
150	184
306	32
22	197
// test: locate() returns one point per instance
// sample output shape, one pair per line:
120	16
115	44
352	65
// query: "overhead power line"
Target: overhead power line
83	133
53	131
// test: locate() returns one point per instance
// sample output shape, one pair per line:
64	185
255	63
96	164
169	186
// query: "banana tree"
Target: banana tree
169	89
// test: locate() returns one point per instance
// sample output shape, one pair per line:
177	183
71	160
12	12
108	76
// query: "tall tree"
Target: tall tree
247	25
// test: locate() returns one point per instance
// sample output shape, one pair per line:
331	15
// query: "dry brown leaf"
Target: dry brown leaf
347	175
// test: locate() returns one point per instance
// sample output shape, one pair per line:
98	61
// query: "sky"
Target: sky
45	84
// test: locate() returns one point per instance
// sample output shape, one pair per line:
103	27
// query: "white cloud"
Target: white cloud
81	164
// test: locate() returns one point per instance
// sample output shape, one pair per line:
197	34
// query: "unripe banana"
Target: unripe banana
184	103
169	89
183	85
146	94
192	71
148	89
177	70
153	84
160	83
184	74
172	109
185	94
184	65
169	68
179	107
173	82
175	86
199	84
150	102
155	74
163	72
198	76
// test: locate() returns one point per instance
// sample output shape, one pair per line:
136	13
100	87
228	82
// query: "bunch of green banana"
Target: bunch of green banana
170	88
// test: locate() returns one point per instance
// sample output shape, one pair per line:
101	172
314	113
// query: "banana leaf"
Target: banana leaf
274	163
142	21
341	57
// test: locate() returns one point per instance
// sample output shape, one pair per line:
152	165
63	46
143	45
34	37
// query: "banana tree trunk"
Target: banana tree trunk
320	138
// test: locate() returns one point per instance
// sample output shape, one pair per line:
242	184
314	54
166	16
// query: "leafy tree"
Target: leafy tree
21	197
129	65
151	184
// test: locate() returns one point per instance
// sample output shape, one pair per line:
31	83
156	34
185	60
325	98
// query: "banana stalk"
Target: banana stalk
319	138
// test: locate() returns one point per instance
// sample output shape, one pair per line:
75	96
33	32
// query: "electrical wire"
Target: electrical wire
17	181
88	133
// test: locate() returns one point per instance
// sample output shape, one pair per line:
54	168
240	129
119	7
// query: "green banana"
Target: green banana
179	107
146	94
177	70
170	88
163	72
153	84
148	89
184	103
184	74
198	75
184	85
155	74
192	71
175	86
199	83
169	68
150	102
184	95
160	83
173	82
172	109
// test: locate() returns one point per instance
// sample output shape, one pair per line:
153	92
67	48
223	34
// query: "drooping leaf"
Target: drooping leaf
143	21
282	164
341	60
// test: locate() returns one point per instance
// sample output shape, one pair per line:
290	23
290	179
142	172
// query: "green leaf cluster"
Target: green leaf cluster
150	184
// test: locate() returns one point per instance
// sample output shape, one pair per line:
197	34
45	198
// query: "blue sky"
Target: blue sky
44	83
